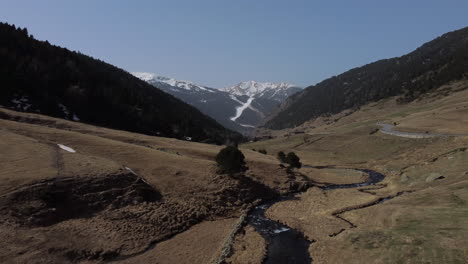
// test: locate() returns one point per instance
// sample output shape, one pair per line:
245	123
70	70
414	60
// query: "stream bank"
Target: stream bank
289	246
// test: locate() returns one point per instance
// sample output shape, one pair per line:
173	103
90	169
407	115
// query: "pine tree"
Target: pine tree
230	160
293	160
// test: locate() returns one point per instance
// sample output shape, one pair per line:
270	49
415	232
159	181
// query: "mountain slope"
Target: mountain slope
435	63
118	194
217	104
39	77
241	107
261	99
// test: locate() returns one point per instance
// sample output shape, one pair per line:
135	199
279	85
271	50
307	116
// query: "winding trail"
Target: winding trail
389	130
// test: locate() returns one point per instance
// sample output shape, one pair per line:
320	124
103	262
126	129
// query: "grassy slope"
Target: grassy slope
435	63
426	226
182	172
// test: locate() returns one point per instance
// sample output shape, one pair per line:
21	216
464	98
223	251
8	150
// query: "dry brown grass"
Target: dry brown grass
334	175
312	212
249	248
183	173
425	226
428	225
202	243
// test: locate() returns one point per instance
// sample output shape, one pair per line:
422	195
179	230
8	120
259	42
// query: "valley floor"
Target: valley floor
426	221
71	192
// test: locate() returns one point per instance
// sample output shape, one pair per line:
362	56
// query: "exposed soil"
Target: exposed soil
51	201
122	197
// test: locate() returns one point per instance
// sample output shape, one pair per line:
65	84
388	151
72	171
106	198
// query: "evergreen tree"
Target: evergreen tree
293	160
230	160
282	157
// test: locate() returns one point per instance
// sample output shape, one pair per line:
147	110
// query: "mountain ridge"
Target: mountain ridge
435	63
254	88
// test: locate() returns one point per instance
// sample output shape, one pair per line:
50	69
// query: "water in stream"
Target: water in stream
286	245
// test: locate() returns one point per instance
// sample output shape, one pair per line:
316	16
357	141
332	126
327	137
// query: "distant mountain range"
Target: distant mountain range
435	63
241	107
39	77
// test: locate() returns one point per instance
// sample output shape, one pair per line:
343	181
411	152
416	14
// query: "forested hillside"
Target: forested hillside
435	63
39	77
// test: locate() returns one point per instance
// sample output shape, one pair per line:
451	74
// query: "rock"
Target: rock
434	176
298	186
404	178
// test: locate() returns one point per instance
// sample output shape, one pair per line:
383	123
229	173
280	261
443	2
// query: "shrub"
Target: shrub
282	157
263	151
293	160
230	160
374	131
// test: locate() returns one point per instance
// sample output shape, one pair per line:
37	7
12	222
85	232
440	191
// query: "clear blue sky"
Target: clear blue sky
222	42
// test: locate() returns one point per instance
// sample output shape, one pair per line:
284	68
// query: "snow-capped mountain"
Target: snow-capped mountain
241	107
274	91
153	78
261	98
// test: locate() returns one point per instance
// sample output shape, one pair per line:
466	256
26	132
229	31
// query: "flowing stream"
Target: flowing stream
287	245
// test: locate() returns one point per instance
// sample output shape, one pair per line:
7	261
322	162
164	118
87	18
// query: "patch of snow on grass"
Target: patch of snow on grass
154	78
64	109
130	170
22	103
66	148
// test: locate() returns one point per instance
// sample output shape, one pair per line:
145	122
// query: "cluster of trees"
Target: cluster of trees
66	84
291	158
434	64
231	160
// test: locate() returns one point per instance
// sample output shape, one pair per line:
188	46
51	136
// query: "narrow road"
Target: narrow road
389	130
